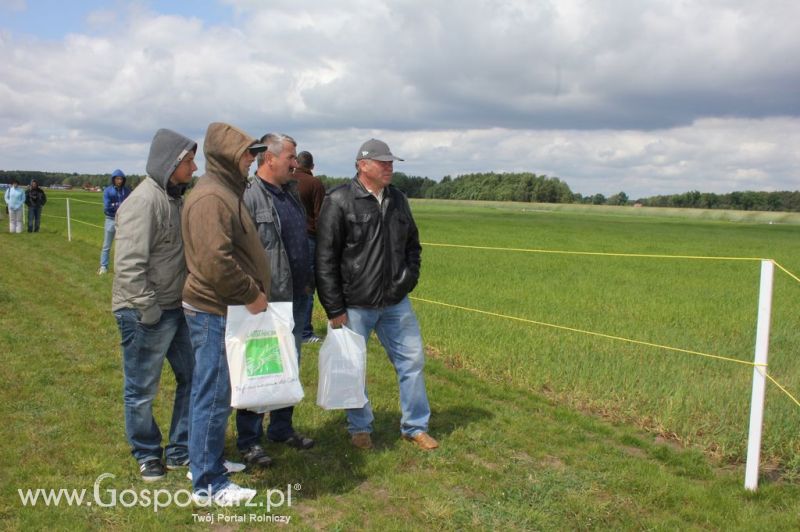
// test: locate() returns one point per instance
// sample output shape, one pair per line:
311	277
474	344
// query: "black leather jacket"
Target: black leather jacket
368	254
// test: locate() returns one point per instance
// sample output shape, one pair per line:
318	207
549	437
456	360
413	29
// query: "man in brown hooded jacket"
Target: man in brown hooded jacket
227	266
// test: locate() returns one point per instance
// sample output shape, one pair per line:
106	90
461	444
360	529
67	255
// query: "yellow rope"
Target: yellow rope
602	335
784	390
561	252
78	200
73	219
787	272
611	337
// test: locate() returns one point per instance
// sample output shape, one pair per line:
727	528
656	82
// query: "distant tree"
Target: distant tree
598	199
330	182
618	199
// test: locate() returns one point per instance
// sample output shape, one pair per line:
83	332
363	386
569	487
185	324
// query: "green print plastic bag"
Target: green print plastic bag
262	358
262	354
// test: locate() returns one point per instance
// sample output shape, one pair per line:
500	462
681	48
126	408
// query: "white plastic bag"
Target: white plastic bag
262	358
342	370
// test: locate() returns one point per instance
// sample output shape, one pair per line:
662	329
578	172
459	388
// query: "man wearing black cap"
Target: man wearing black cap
367	261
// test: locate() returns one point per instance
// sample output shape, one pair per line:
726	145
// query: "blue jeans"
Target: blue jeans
308	329
34	218
108	238
249	426
398	331
144	348
211	401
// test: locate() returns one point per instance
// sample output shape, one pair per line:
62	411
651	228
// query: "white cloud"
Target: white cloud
649	98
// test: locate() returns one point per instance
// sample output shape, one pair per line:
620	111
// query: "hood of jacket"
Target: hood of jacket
166	152
223	149
118	173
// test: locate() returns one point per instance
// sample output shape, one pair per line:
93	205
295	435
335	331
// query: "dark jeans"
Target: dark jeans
308	329
34	217
249	425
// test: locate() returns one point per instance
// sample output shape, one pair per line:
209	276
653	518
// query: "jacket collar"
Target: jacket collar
358	188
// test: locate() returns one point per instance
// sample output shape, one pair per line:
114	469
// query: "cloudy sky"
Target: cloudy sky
646	97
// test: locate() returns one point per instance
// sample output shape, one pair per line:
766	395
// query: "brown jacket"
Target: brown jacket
312	192
224	256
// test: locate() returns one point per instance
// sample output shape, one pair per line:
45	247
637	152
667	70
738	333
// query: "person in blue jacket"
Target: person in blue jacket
113	196
15	199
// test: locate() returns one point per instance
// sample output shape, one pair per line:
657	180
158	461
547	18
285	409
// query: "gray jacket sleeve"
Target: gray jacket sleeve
136	230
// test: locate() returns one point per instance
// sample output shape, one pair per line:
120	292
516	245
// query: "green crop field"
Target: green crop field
708	306
541	427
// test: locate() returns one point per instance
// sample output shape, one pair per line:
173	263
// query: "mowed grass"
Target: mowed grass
708	306
511	458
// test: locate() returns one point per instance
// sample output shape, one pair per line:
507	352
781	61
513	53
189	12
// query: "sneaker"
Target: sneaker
102	270
256	456
230	495
423	441
362	440
179	463
230	467
298	441
313	339
152	470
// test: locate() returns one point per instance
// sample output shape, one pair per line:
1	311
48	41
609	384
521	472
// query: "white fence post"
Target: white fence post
759	376
69	225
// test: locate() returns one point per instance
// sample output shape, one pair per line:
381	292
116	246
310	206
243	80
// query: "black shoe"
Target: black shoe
180	463
152	470
256	456
298	441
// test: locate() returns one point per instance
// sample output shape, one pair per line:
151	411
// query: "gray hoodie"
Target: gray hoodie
149	267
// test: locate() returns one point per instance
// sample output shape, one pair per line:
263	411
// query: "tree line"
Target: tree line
46	179
489	186
784	200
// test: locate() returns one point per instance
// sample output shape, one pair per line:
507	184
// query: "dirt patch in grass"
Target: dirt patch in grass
482	462
552	462
633	451
671	442
450	361
317	518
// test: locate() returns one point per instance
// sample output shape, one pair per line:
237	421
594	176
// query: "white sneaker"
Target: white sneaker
230	495
102	270
230	467
234	467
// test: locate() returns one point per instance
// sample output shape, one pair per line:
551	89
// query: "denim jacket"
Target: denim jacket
259	202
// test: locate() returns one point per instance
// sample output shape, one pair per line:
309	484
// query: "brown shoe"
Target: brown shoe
423	441
362	440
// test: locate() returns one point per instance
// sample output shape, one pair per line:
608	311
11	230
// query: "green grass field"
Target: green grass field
708	306
540	428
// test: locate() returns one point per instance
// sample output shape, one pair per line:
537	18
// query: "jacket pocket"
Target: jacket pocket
268	229
357	226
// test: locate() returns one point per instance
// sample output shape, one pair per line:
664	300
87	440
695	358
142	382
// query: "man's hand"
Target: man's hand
259	305
338	321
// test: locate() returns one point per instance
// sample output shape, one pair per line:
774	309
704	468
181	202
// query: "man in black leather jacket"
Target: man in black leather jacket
367	261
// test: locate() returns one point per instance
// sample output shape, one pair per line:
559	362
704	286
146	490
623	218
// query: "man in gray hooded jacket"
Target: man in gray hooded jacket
149	272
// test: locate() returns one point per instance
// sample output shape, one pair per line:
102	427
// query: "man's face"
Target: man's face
183	172
376	174
245	162
118	181
282	166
